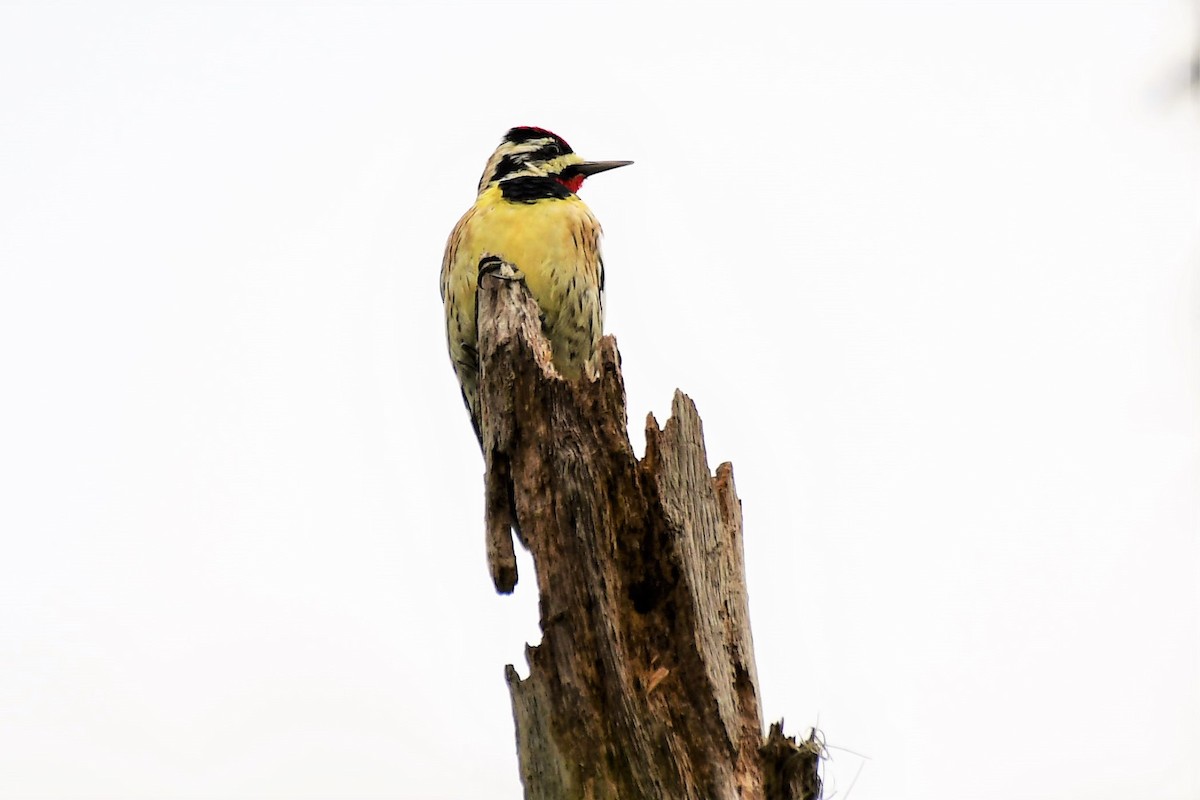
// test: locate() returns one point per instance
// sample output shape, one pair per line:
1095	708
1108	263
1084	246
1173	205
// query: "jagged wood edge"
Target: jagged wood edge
644	684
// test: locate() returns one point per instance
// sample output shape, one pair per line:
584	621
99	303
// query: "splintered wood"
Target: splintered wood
644	684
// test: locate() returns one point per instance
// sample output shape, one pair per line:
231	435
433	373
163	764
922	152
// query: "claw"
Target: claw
494	265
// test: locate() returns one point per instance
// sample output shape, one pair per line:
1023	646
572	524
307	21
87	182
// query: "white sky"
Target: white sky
929	270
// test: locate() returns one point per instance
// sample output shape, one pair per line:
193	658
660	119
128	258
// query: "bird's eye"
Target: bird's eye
547	150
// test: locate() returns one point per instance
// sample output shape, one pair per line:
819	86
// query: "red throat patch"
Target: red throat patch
572	183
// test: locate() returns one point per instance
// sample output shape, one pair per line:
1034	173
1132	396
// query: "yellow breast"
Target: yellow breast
554	242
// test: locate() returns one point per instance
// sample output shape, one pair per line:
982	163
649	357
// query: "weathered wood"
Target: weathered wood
791	770
644	684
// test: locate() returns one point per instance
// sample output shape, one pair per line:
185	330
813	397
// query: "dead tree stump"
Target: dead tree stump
644	685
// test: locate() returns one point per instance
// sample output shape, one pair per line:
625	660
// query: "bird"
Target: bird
527	212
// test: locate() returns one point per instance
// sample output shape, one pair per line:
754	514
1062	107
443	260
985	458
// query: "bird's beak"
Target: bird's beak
588	168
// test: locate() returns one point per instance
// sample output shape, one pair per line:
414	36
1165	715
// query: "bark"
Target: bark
644	684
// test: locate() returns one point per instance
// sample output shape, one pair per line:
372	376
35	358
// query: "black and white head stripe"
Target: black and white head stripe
527	134
521	150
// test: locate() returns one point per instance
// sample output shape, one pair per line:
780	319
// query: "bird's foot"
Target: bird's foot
494	265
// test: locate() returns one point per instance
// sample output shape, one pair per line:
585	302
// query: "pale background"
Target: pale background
929	271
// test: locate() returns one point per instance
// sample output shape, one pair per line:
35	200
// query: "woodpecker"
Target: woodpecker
527	213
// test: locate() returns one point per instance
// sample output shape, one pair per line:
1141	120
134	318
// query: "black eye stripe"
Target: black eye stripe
506	166
545	153
513	162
